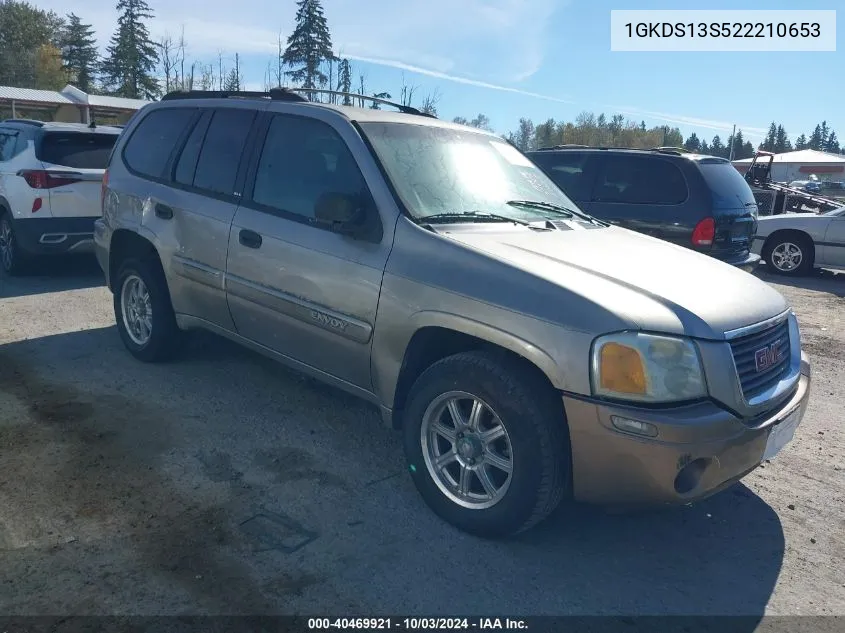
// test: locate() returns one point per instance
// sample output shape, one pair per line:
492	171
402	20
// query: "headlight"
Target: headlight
646	368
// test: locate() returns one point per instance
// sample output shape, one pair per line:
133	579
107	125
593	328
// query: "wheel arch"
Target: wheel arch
126	243
781	233
436	335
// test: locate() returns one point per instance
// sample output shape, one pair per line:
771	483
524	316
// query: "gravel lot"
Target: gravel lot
224	483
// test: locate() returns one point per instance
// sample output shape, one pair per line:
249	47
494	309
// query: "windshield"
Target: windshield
439	170
729	188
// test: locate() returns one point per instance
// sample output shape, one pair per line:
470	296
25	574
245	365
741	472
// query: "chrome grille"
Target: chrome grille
757	375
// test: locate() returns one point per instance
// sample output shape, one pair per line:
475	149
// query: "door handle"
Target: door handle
250	239
163	211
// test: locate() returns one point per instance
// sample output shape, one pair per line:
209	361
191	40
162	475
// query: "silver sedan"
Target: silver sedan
794	243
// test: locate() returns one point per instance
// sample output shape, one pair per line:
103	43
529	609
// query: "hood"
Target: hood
648	283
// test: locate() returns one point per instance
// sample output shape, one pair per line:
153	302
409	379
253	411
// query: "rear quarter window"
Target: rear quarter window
154	139
77	150
727	186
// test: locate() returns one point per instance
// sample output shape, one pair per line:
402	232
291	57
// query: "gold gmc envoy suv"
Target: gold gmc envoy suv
528	352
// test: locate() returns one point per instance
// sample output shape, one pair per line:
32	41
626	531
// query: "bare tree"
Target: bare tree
430	101
168	59
361	89
406	93
206	77
220	70
280	64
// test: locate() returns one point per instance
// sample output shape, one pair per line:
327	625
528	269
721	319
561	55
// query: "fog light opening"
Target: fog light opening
634	426
689	477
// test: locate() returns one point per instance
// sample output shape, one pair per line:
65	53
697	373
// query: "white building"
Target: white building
800	164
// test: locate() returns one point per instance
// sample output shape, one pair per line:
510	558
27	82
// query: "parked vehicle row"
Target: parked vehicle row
528	351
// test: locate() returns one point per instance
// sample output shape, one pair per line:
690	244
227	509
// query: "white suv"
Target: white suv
50	180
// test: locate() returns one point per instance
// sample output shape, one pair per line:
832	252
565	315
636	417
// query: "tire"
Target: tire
535	431
161	337
789	253
13	260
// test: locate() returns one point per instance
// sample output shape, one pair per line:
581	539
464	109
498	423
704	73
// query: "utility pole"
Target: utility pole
733	143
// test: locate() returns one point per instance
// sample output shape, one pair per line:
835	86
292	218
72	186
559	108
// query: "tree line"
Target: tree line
40	49
617	131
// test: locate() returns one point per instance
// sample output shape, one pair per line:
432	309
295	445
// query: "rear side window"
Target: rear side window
153	140
187	165
639	180
569	171
217	166
729	188
77	150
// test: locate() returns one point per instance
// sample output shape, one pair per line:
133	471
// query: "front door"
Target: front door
833	250
295	286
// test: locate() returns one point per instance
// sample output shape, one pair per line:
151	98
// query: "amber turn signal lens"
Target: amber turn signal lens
621	369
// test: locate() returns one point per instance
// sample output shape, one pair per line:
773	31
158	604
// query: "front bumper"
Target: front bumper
700	449
55	236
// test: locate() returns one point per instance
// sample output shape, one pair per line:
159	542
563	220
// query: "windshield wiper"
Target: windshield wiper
470	216
556	208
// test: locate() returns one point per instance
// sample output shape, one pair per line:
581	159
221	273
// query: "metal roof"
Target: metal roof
801	156
34	96
69	95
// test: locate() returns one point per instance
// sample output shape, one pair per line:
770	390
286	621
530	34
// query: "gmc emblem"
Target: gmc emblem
768	356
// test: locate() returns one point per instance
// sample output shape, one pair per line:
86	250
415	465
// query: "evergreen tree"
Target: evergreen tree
832	144
771	138
79	53
693	143
801	142
344	80
782	143
24	30
717	148
131	55
309	45
816	139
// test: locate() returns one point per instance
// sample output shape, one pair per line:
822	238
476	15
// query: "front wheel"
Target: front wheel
789	254
487	444
143	311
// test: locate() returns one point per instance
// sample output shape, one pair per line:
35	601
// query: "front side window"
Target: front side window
439	170
301	161
569	171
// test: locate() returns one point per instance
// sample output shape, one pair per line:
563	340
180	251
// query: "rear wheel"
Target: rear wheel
12	259
789	254
143	311
487	444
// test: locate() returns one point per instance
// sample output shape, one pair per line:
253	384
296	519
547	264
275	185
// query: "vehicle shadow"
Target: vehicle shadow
820	279
325	459
53	275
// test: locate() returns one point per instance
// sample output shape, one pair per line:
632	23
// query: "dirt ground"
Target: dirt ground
223	483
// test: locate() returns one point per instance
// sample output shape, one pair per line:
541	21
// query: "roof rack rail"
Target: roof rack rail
276	94
565	146
671	150
284	94
405	109
26	122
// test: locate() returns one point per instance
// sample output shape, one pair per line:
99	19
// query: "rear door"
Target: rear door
73	163
644	193
734	208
